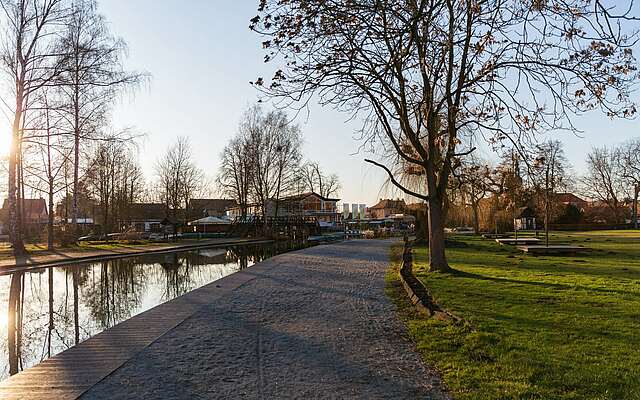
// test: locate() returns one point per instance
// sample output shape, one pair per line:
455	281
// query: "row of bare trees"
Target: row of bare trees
263	162
610	184
66	71
613	177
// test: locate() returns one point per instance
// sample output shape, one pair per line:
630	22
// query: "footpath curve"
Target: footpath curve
313	323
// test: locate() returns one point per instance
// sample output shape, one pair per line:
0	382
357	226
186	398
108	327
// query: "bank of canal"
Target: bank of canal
48	310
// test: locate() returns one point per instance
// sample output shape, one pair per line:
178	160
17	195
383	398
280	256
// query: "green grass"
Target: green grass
41	248
545	327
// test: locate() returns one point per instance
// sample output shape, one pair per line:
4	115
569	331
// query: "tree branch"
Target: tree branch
396	183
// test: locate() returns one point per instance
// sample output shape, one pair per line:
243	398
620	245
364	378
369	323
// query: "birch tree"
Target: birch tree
30	60
93	78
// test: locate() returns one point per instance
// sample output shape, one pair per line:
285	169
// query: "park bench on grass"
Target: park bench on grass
558	249
518	241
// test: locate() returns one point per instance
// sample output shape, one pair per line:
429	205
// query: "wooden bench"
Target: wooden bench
514	241
554	249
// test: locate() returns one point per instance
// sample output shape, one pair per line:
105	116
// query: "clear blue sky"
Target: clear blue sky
202	55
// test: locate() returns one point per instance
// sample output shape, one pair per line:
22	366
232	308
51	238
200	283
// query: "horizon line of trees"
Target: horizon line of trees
610	182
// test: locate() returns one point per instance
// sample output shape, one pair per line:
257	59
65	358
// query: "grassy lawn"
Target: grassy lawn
548	327
35	249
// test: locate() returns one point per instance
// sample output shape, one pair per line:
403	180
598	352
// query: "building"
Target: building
386	208
309	204
146	217
200	208
34	213
571	199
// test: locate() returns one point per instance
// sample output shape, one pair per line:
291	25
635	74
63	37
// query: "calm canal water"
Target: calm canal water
46	311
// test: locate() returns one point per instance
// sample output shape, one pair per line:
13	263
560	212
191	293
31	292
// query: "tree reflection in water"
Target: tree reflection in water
44	312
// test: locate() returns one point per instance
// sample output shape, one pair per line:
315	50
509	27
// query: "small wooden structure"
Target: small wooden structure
558	249
518	241
210	225
495	235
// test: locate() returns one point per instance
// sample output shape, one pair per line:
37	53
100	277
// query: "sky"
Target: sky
201	57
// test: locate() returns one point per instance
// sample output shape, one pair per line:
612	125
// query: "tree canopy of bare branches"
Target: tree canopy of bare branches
92	77
180	180
603	181
629	159
430	77
314	179
30	61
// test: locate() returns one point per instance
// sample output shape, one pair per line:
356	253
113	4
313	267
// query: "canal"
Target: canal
46	311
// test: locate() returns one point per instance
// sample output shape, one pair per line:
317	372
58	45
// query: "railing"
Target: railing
285	220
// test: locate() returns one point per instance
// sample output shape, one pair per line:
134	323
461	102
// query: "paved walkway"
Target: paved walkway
70	255
313	323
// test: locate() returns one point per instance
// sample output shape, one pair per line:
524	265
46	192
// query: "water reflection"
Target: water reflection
44	312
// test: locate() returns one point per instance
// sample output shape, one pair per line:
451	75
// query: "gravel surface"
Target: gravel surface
311	324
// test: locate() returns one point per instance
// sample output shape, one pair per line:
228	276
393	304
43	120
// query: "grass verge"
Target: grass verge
544	327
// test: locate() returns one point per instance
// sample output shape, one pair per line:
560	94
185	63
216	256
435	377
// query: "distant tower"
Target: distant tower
345	211
363	207
354	211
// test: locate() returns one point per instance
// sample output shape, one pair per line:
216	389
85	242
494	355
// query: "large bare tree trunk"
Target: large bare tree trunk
50	242
476	218
76	175
437	258
15	226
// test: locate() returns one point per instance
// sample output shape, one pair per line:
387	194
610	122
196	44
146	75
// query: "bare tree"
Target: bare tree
115	178
629	159
549	174
603	180
428	77
236	170
473	179
30	60
288	142
51	151
314	179
179	178
93	78
275	146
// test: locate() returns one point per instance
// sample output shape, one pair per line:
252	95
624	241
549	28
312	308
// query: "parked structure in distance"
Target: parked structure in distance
309	204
